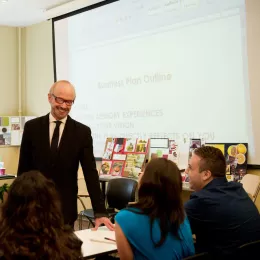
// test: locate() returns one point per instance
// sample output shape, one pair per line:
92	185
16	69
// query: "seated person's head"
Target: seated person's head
160	174
159	193
32	222
32	203
205	164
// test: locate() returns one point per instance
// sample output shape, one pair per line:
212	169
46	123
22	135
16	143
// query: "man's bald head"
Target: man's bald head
61	97
61	86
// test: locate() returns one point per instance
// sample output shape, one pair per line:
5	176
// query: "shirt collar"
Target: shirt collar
53	119
215	182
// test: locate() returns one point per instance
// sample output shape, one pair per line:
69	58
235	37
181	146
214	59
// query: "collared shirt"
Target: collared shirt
223	217
53	125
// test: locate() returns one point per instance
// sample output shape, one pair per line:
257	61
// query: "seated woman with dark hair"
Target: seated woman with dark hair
32	223
155	227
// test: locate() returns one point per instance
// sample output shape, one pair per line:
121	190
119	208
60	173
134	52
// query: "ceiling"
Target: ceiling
22	13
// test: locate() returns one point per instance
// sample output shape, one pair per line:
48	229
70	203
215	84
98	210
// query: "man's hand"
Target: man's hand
103	220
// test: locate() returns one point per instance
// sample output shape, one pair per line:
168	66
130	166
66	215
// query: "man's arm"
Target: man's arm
25	160
88	165
192	209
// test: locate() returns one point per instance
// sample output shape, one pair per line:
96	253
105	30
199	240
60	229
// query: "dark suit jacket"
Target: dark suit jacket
223	217
75	147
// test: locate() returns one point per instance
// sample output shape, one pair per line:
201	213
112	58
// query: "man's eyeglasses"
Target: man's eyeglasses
61	101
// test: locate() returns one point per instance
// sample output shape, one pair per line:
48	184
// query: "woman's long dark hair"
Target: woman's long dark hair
159	197
32	224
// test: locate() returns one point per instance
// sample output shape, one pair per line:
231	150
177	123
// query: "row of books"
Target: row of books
127	156
124	156
130	167
118	148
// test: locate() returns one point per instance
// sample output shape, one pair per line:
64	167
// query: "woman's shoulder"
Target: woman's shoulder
130	213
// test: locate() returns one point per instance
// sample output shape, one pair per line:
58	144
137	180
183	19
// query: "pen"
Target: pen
107	238
100	241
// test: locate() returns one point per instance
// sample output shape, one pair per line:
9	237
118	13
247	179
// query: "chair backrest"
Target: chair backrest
251	184
249	250
120	192
201	256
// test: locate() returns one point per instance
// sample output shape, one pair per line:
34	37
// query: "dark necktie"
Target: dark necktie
55	137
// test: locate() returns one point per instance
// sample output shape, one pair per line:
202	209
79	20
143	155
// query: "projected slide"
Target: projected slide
143	69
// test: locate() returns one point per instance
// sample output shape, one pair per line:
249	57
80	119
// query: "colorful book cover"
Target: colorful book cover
109	146
130	144
142	145
119	145
173	151
117	168
105	167
134	164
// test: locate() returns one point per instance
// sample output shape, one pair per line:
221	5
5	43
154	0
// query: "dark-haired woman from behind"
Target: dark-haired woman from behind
155	227
32	223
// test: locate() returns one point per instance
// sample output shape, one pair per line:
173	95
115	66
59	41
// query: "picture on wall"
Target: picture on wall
236	159
194	143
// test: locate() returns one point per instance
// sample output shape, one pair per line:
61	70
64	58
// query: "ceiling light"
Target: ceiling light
4	1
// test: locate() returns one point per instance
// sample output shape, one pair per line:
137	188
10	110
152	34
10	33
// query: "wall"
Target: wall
38	68
8	71
9	96
38	73
39	64
253	52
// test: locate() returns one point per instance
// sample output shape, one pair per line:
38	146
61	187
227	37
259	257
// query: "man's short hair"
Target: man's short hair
212	159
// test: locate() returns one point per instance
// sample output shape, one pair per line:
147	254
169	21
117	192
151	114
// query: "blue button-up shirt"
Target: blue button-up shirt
223	217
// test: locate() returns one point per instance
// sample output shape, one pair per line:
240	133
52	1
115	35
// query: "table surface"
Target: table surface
7	176
106	178
94	243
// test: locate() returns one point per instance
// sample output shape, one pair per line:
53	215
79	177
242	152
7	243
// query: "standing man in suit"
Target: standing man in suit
55	144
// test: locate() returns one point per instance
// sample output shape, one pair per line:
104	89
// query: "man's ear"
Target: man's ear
49	97
206	175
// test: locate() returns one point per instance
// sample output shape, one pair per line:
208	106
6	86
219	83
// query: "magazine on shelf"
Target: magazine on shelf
173	151
134	164
130	144
117	168
109	147
105	167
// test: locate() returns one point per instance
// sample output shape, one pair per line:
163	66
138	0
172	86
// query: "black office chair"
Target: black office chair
120	192
249	251
201	256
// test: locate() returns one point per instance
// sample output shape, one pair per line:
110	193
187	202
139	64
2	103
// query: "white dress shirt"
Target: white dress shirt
53	125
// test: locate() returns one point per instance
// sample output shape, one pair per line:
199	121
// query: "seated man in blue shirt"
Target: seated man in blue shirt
221	214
